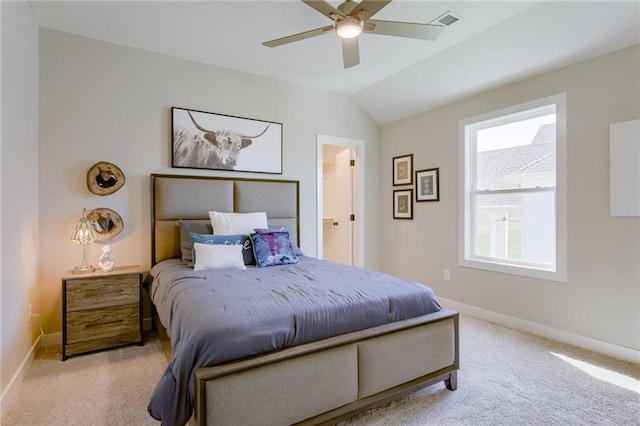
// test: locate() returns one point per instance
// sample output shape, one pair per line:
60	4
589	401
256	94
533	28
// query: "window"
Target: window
513	190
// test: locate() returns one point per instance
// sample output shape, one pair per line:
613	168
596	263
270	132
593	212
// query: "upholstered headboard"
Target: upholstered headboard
176	197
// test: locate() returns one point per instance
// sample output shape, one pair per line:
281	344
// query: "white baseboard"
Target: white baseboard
610	349
19	376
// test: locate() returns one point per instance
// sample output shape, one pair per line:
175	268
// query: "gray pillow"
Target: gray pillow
186	227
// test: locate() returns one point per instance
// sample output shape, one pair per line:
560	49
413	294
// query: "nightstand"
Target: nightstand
101	310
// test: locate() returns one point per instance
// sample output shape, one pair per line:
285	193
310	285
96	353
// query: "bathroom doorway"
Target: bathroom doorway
340	200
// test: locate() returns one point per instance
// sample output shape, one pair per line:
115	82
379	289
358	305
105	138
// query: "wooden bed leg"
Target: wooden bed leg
452	382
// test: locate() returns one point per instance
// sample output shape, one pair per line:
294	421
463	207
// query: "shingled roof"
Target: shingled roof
505	168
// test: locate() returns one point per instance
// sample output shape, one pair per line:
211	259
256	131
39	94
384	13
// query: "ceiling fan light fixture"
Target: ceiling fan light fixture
349	28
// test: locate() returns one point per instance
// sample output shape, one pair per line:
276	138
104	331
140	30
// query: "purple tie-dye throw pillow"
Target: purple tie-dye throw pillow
273	248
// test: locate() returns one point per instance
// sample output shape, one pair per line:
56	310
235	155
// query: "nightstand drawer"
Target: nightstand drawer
102	292
106	343
101	323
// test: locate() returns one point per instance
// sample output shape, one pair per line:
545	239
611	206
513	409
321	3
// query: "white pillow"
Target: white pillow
237	223
218	256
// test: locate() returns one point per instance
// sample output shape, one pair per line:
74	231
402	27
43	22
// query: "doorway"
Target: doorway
340	200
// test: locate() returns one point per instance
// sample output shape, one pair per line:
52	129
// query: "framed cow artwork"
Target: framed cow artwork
204	140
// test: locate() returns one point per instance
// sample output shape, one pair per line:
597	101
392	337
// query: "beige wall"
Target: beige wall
103	102
601	299
18	186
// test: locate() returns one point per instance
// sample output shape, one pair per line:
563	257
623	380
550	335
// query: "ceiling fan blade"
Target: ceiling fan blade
325	8
298	37
407	29
350	52
371	7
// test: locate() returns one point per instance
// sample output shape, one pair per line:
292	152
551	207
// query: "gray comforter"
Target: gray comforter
223	315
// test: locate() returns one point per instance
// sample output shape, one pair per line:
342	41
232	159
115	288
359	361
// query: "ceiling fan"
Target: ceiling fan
350	19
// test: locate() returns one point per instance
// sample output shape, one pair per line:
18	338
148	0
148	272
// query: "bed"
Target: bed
291	372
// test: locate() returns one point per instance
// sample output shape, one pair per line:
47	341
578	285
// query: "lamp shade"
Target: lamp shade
84	233
349	28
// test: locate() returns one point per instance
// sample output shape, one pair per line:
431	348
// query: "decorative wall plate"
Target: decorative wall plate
106	223
104	178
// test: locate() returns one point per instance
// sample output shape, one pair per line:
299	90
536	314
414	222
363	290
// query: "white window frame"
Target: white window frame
466	191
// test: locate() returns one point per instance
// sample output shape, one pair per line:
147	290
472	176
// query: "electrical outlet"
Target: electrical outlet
446	275
30	312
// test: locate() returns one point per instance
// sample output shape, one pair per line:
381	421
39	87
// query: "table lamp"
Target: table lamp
84	234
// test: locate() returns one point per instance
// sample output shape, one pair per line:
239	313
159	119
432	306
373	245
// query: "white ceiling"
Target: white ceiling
494	43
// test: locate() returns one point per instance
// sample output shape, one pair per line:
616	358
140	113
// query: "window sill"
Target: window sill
523	271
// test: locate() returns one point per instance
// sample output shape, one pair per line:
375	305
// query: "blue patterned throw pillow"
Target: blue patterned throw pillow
243	240
273	248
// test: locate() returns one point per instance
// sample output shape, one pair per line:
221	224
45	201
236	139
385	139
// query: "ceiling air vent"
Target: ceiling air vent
447	19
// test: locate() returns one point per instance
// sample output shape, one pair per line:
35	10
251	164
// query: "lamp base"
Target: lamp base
83	269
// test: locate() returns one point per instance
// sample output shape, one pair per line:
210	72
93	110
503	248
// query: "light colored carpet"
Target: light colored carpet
105	388
507	377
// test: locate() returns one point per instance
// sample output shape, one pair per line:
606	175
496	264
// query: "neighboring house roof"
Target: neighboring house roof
546	133
506	168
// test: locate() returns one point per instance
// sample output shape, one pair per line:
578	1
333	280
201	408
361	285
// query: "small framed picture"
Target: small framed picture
403	170
403	204
428	185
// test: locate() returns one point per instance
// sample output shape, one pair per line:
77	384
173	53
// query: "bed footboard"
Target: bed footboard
326	381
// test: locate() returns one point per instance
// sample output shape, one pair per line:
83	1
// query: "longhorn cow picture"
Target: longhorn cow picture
203	140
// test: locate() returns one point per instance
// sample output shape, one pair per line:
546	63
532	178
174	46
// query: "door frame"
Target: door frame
358	238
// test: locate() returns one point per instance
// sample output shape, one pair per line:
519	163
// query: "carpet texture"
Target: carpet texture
507	377
105	388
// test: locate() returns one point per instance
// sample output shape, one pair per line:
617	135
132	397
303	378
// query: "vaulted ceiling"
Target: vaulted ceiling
494	43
